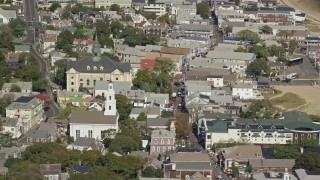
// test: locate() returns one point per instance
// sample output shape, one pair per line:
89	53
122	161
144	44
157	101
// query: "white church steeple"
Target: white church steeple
110	103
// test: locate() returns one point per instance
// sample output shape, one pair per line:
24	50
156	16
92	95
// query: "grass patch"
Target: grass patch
314	118
270	93
313	28
289	101
14	80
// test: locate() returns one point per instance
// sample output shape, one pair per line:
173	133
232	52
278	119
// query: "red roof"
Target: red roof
147	63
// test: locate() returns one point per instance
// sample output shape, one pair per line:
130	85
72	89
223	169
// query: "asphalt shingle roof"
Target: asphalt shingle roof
108	65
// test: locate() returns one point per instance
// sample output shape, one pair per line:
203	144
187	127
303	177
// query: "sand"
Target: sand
310	7
310	93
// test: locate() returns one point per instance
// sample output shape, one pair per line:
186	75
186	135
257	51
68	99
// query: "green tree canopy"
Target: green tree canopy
142	117
18	26
182	125
61	66
24	170
116	28
258	109
308	161
15	88
152	173
286	152
247	35
115	7
149	15
203	10
257	67
54	6
124	106
266	29
260	51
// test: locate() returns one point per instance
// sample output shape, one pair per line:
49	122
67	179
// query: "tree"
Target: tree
103	31
308	161
309	143
18	26
266	29
240	49
203	10
24	170
66	112
258	109
182	125
166	114
282	152
54	6
142	117
149	15
61	66
276	51
235	170
257	67
5	101
260	51
111	56
293	44
7	37
123	144
97	172
247	35
79	33
66	13
228	29
15	88
152	173
248	168
115	7
40	85
282	59
64	40
165	18
116	28
124	106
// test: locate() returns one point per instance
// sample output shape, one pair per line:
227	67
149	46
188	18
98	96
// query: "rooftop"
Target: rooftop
92	117
231	55
162	133
245	152
157	122
84	142
189	157
272	163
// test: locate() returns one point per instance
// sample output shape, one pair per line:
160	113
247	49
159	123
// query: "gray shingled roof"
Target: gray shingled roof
231	55
273	163
85	142
157	121
108	65
92	117
197	166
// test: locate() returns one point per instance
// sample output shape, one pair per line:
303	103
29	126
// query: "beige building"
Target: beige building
29	109
107	3
47	42
83	74
163	140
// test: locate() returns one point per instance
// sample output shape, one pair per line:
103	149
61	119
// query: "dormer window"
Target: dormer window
88	67
94	67
101	68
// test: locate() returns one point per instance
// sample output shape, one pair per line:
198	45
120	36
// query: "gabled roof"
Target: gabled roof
189	157
92	117
108	65
272	163
147	63
217	126
8	13
157	122
84	142
231	55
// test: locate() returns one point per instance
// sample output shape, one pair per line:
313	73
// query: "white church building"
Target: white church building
93	124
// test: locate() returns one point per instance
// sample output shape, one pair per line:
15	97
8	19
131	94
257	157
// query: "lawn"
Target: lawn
270	93
288	101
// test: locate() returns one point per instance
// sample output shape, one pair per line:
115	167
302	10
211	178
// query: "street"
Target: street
31	15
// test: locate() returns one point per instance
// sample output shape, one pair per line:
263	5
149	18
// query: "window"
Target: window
95	68
314	136
302	136
72	90
109	97
168	141
162	141
101	68
90	133
164	149
72	83
156	141
88	82
88	67
309	135
101	79
72	77
117	79
103	94
208	136
77	133
109	107
81	79
158	149
94	82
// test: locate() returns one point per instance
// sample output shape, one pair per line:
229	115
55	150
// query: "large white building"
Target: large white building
244	90
7	15
107	3
291	128
93	124
158	8
83	74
